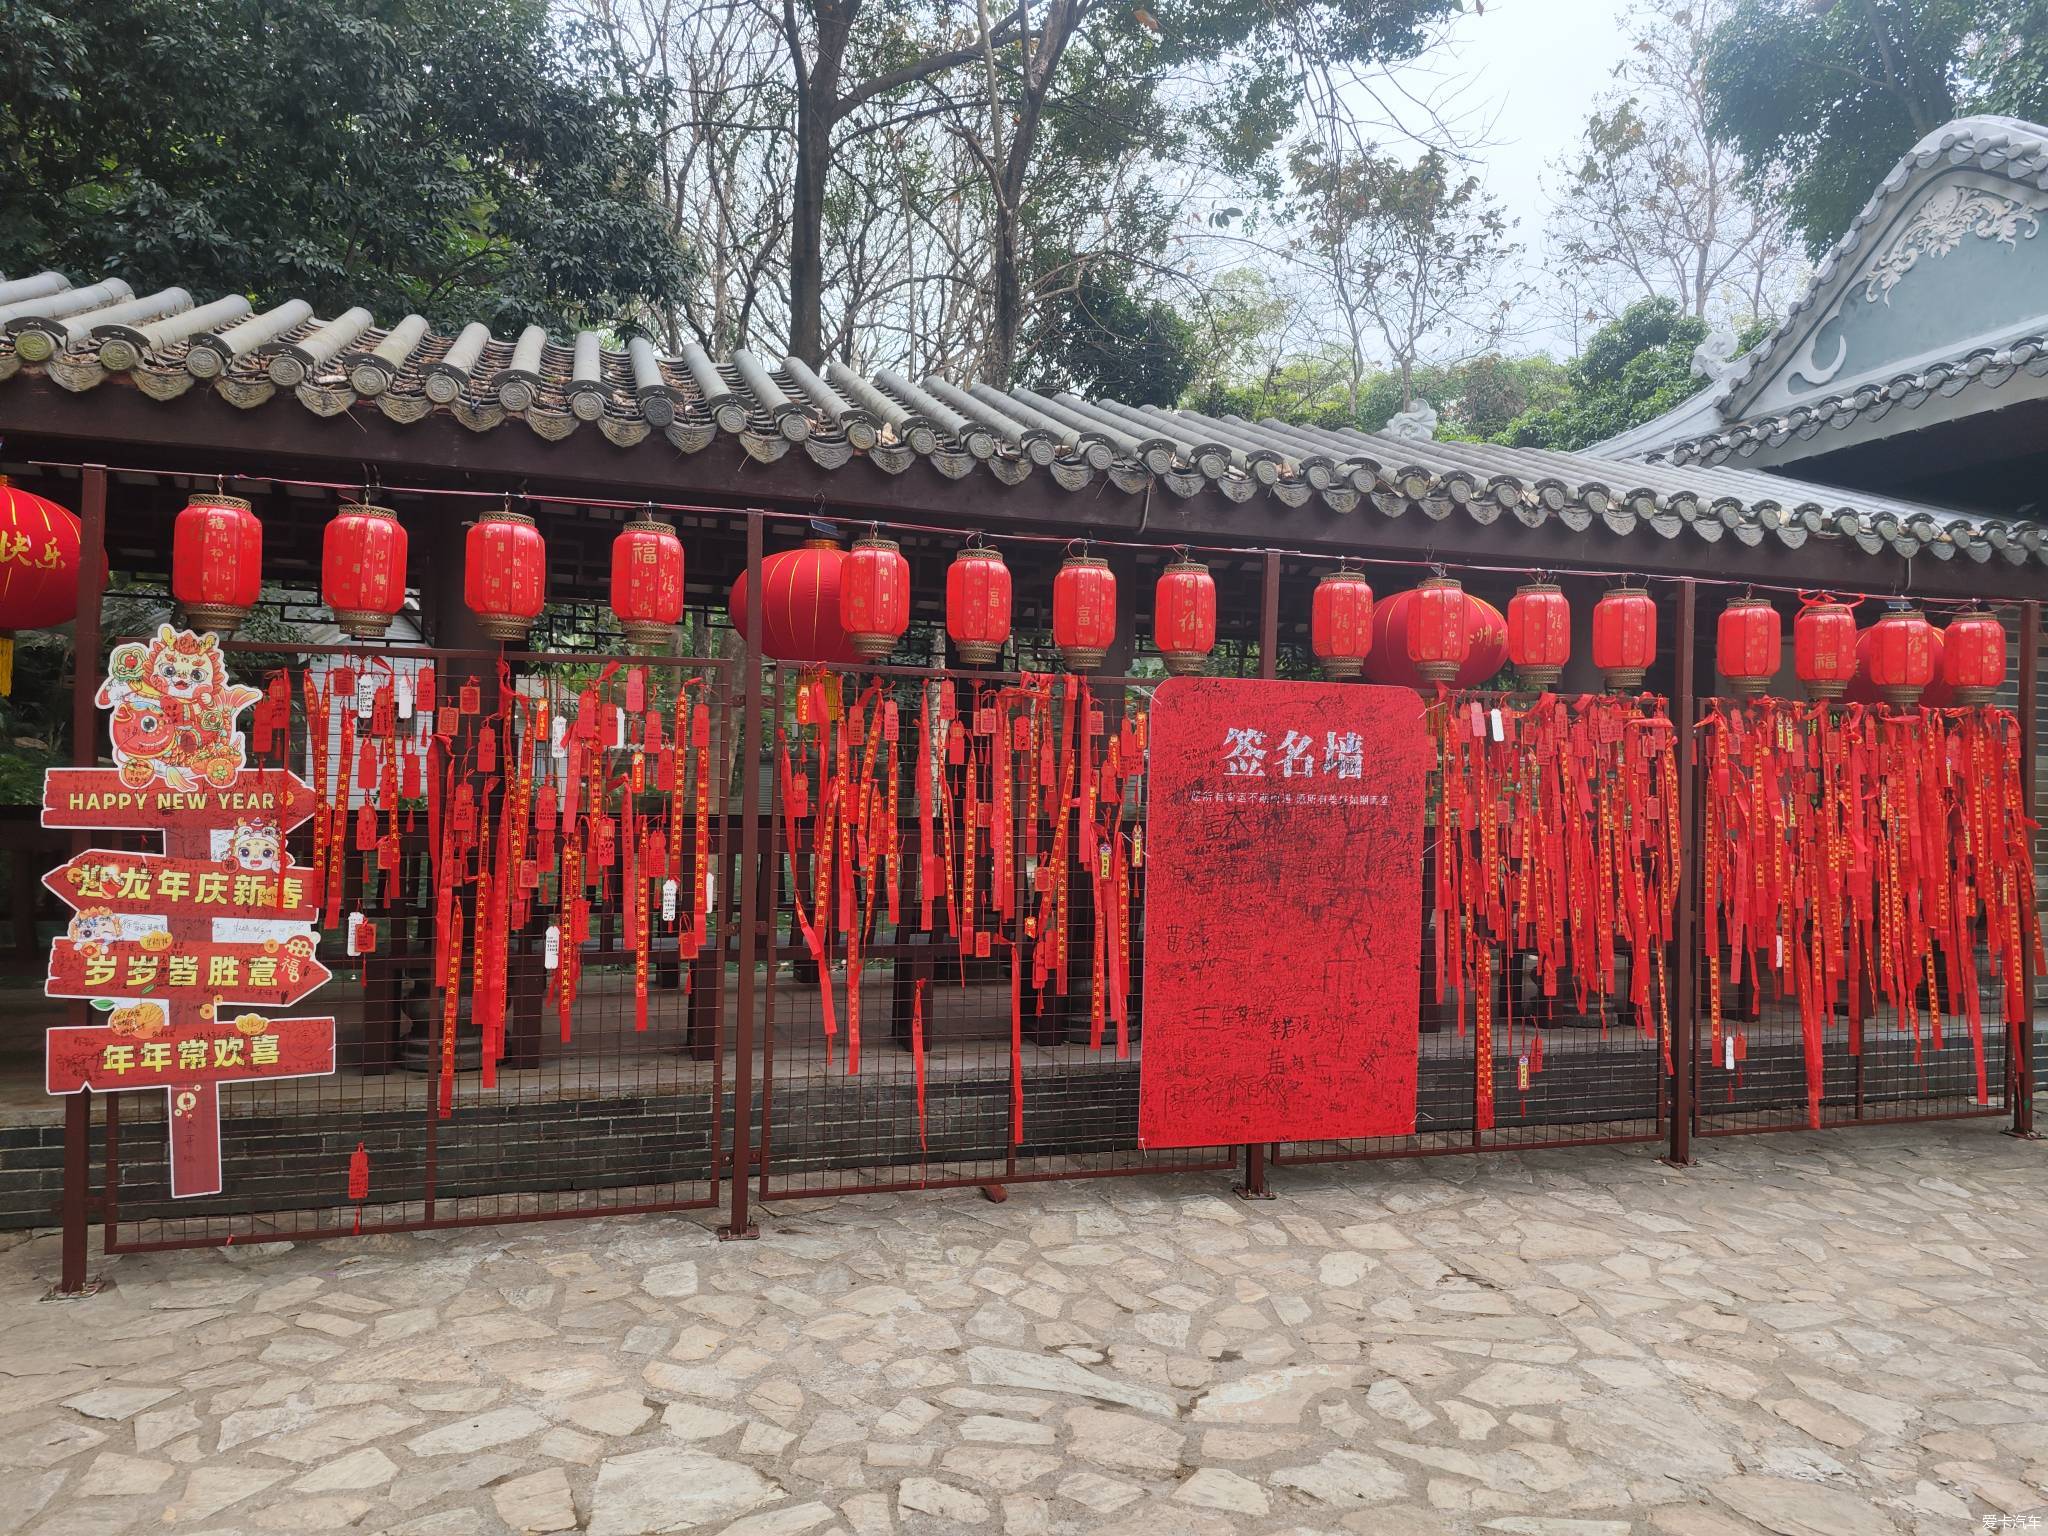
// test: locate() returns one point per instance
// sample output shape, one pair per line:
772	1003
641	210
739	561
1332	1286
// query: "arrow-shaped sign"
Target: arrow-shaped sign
270	973
128	883
103	797
135	1049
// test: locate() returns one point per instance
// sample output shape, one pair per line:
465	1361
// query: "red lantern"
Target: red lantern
1624	637
505	573
800	613
1184	615
1749	646
39	577
217	560
1540	633
874	597
1824	647
1485	628
1439	634
978	604
1973	657
1340	624
362	569
1899	655
647	582
1083	612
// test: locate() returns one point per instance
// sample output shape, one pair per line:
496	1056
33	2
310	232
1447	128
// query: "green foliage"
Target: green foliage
1822	100
1104	336
1633	368
1476	400
461	158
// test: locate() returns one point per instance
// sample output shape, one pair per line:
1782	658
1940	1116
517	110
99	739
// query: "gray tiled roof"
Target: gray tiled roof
165	346
2002	146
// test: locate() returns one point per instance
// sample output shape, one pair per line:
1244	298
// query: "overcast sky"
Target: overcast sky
1529	68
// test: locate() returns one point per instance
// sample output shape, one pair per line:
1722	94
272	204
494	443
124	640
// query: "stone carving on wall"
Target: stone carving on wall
1942	223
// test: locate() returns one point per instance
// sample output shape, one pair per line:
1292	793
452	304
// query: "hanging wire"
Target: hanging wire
1426	561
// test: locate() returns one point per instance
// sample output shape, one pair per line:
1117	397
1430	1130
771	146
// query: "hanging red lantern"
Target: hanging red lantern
217	560
505	573
874	596
1485	630
1439	634
800	612
1749	645
1083	612
1540	633
1824	647
1899	655
1340	624
1184	615
1624	637
647	583
978	604
1973	657
362	568
39	543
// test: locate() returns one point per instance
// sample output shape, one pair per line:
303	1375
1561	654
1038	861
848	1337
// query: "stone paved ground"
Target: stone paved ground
1843	1333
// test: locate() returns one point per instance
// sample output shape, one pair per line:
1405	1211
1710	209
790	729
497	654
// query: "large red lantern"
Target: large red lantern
874	596
1749	645
978	604
1184	615
647	582
1485	629
1340	624
217	560
1824	647
39	543
1973	657
1899	655
1439	636
1083	612
1624	637
800	608
362	569
505	574
1540	633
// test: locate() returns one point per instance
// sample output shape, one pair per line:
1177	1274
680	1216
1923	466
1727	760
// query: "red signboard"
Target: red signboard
196	970
127	1054
1283	912
168	944
101	880
109	797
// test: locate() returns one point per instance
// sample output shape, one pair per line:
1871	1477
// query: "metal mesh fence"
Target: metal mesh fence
602	1103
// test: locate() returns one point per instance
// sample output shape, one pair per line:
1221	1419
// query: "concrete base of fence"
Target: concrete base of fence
839	1133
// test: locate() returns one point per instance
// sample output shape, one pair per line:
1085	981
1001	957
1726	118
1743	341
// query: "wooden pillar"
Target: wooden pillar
2021	1040
738	1223
1685	960
85	752
1254	1186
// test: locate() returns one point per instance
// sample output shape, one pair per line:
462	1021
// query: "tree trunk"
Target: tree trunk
1008	309
817	112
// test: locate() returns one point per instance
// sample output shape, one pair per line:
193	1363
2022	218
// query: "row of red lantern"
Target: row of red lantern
217	557
217	570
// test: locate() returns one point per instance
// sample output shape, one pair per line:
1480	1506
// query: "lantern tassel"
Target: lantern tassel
6	664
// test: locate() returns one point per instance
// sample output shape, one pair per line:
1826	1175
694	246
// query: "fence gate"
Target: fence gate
954	888
432	765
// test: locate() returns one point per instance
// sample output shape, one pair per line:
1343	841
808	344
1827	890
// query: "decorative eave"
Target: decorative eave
1091	452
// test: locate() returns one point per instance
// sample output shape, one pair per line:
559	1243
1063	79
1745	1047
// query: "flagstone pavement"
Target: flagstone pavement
1816	1335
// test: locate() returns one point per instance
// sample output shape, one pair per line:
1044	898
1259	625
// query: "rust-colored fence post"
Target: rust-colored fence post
2021	1041
1254	1186
747	904
1685	962
85	673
